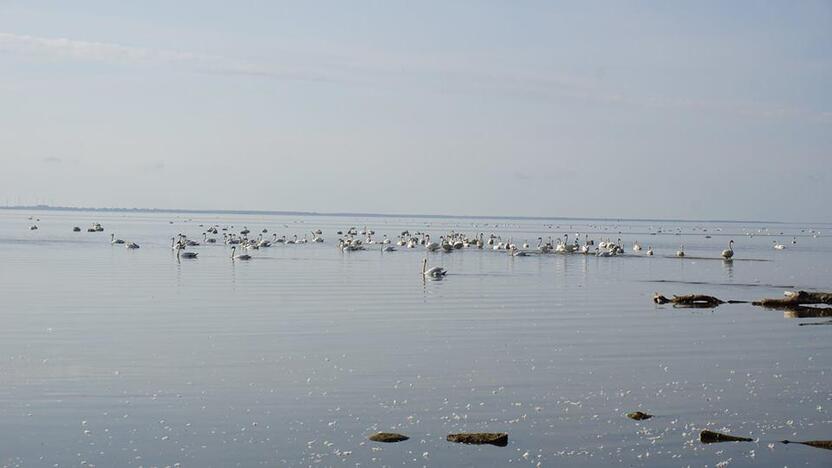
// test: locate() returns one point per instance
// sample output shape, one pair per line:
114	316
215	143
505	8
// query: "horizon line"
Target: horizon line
42	207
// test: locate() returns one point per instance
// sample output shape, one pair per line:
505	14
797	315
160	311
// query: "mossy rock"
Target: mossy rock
639	416
388	437
824	444
711	437
499	439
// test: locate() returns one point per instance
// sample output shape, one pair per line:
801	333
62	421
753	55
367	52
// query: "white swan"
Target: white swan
636	246
431	246
729	252
239	257
180	253
132	245
113	239
434	272
650	250
779	246
446	246
515	252
681	251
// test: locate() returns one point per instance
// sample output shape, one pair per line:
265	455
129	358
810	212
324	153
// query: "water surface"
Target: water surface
118	357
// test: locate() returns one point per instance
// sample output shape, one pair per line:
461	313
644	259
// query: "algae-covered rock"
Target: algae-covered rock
499	439
639	416
388	437
824	444
710	437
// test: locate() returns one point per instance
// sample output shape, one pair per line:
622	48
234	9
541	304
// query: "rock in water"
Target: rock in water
824	444
388	437
499	439
710	437
639	416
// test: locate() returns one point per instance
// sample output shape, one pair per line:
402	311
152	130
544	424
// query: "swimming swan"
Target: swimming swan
434	272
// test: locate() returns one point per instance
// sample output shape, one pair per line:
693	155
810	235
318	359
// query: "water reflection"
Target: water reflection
728	268
807	312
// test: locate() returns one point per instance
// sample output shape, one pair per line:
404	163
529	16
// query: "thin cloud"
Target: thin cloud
456	74
130	55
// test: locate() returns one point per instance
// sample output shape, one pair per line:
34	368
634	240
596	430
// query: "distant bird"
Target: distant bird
779	246
636	246
681	251
239	257
434	272
388	248
728	253
113	239
650	250
132	245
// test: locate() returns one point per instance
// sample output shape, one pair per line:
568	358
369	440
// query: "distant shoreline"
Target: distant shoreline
377	215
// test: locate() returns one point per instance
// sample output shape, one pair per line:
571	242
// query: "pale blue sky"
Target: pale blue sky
603	109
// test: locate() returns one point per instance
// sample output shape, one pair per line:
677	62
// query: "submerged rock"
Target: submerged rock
499	439
639	416
710	437
824	444
388	437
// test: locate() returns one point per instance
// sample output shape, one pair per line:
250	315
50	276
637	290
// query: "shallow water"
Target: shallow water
118	357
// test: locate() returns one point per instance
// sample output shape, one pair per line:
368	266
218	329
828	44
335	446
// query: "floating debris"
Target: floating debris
639	416
500	439
710	437
388	437
824	444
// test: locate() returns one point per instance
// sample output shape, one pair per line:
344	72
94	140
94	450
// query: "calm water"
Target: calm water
115	357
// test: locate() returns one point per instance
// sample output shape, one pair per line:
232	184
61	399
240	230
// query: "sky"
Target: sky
683	110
